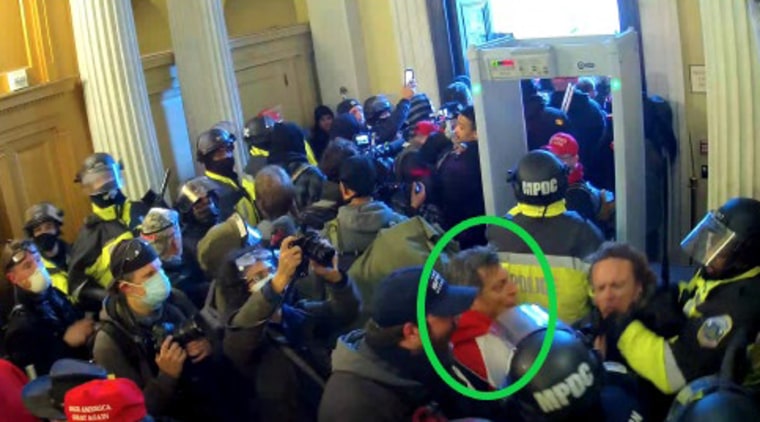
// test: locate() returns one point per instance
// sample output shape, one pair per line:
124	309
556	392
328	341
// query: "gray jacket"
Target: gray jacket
357	226
132	359
334	305
365	386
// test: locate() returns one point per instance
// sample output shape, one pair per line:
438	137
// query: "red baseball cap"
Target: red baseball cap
425	128
562	144
105	400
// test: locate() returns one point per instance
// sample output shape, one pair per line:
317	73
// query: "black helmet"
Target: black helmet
258	132
41	213
568	385
193	191
709	399
731	232
375	106
540	179
219	136
99	174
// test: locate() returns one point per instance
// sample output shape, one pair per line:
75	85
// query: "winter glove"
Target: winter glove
662	313
612	329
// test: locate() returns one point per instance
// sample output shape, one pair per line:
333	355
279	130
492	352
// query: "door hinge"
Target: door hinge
285	78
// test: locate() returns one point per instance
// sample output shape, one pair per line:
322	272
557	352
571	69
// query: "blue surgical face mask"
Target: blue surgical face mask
157	289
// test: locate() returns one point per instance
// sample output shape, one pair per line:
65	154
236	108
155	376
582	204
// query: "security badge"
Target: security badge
713	330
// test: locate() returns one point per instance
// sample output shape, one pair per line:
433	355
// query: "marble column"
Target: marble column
205	68
118	109
733	116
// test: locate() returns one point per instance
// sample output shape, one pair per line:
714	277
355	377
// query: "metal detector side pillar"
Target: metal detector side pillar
501	133
630	167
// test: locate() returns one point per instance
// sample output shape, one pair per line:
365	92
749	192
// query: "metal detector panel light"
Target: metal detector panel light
520	63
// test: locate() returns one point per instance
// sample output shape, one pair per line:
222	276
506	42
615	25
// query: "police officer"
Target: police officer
540	184
718	304
113	218
709	399
42	223
215	149
572	384
257	134
384	120
44	326
198	207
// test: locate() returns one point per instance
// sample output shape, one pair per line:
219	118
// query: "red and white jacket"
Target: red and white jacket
479	348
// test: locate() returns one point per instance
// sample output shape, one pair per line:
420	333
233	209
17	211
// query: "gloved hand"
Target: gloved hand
662	313
591	328
612	329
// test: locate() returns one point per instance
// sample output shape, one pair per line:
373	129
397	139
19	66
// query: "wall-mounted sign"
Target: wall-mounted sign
698	79
703	147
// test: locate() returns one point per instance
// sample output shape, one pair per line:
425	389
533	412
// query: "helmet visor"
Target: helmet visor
709	239
102	180
192	193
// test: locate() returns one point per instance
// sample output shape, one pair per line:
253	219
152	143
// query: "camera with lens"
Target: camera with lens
183	333
315	248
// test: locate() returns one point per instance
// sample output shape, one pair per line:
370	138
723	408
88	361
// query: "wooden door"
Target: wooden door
43	141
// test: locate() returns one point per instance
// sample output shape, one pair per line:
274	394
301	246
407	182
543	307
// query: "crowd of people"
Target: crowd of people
288	289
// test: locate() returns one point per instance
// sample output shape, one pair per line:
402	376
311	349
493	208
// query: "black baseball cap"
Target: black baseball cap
395	299
43	396
130	255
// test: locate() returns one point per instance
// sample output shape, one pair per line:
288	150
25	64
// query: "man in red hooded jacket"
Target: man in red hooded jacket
476	345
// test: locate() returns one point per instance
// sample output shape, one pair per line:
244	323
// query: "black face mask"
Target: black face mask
108	199
46	241
209	216
225	167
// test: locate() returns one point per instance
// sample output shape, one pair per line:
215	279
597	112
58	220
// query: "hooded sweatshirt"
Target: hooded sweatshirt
390	385
358	225
478	347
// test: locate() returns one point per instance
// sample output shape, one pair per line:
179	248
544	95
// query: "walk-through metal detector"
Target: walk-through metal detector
496	70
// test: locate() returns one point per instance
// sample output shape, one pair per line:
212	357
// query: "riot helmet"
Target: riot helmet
714	400
41	213
197	200
258	132
100	174
726	241
377	108
539	179
568	385
219	136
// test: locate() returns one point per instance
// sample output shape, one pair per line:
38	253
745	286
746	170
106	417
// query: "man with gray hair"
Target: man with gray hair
475	343
161	229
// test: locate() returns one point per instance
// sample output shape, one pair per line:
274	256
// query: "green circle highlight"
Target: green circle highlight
422	294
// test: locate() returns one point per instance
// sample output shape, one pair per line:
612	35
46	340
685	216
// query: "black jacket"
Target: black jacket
388	129
588	123
542	122
36	328
308	181
101	231
188	277
459	193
